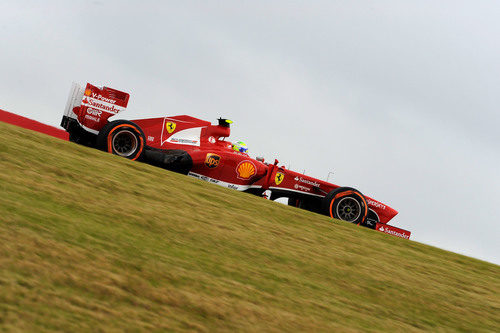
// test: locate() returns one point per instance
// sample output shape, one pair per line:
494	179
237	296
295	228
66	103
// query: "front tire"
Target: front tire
122	138
347	204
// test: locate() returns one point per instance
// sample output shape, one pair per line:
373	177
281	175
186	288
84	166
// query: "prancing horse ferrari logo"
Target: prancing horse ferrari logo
170	127
279	178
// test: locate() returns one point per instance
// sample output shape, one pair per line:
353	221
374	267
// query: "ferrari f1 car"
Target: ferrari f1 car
199	149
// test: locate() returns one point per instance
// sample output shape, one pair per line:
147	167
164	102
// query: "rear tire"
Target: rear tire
346	204
122	138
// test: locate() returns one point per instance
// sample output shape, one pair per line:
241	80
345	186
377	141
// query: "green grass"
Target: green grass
93	242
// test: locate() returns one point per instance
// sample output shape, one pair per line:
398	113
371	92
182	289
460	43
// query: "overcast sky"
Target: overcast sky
399	99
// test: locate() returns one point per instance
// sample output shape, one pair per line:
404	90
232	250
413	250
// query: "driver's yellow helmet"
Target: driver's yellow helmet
240	146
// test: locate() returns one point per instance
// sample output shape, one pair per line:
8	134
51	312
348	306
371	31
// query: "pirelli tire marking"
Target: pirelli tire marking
348	194
125	140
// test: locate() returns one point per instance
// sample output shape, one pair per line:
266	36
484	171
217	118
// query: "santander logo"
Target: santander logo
97	101
106	107
393	232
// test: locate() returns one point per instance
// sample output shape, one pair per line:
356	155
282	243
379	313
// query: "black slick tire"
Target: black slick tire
347	204
122	138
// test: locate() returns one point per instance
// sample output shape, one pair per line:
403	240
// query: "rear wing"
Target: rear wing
92	106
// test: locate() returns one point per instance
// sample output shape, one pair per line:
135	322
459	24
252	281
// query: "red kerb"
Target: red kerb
14	119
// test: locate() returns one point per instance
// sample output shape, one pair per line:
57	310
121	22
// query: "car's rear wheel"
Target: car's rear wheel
122	138
124	143
347	204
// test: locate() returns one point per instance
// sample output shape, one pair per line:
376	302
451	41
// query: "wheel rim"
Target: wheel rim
348	209
124	143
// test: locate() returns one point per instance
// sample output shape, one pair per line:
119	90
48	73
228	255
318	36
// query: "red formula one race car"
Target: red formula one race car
199	149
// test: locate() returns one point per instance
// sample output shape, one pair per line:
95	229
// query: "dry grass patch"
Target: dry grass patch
92	242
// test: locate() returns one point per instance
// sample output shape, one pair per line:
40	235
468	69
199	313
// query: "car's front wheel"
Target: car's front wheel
122	138
347	204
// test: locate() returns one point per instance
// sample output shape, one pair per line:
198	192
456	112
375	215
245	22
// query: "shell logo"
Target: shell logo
245	170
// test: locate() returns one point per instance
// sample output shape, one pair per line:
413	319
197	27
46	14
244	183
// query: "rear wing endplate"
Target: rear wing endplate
92	106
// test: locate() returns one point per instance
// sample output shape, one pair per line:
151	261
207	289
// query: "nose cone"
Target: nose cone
390	213
384	212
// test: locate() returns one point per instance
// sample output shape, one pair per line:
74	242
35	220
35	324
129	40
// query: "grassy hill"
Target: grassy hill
93	242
